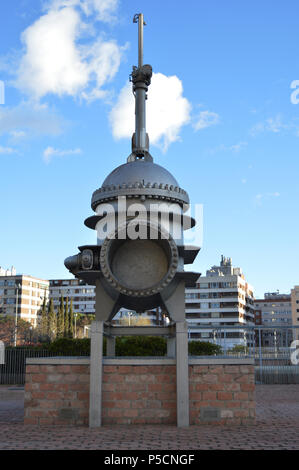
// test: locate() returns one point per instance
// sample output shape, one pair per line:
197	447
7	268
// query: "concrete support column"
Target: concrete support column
171	347
182	374
110	346
96	372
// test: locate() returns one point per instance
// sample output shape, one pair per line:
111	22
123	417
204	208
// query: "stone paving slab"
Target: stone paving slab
277	428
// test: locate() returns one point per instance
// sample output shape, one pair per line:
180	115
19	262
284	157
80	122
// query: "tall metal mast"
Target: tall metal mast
141	79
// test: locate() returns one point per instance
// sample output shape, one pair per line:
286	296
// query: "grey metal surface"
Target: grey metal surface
141	79
96	373
139	171
182	374
143	178
140	330
138	18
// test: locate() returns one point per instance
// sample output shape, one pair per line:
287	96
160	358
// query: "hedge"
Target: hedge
130	346
203	348
70	346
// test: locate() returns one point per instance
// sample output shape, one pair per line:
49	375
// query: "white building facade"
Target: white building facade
295	310
22	295
275	310
82	294
221	298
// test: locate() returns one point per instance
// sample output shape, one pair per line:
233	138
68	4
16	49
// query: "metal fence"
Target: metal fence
12	372
275	351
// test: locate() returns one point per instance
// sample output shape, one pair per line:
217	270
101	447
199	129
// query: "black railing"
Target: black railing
12	372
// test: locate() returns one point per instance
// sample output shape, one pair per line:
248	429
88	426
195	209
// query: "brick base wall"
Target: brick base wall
56	394
139	394
222	394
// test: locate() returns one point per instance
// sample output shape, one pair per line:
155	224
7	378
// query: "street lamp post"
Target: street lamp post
75	332
18	285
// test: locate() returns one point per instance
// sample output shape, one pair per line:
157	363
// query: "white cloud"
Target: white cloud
50	152
54	59
104	9
260	197
239	146
167	111
236	148
6	150
206	119
34	119
273	124
17	134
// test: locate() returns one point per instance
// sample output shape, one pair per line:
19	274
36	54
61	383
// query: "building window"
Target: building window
215	305
204	296
204	305
225	284
205	335
188	296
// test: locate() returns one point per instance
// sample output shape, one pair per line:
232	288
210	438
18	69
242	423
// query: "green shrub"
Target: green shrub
130	346
203	348
70	346
140	346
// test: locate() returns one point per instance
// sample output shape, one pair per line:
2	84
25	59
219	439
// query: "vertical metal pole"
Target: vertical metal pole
140	40
182	374
16	316
140	88
260	354
96	372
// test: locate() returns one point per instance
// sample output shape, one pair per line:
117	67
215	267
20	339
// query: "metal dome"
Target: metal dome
140	178
140	171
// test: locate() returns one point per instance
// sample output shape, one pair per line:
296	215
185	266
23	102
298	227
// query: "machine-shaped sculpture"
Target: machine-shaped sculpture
140	218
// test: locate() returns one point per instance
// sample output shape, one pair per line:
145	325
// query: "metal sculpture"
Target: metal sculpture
138	262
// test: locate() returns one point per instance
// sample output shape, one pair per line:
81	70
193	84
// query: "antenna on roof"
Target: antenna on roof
141	79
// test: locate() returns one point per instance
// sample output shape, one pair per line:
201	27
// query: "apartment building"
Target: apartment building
295	309
275	310
22	295
82	294
221	298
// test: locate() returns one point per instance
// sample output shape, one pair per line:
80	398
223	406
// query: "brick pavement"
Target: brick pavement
277	427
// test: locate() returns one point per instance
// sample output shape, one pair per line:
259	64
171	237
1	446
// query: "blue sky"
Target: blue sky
230	138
